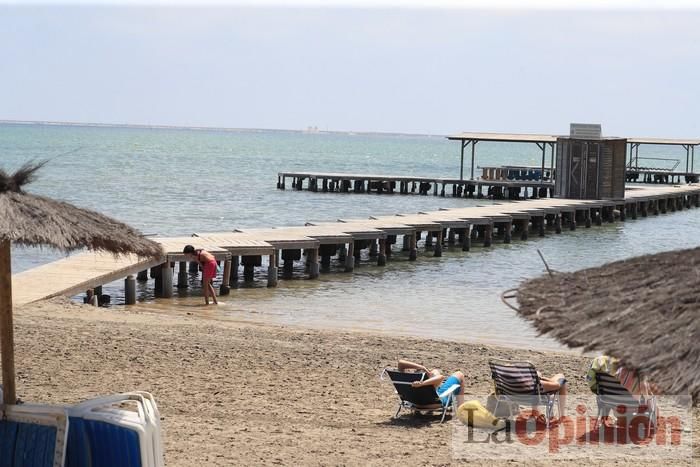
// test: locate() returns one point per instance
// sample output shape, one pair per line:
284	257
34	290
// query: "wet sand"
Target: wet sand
235	393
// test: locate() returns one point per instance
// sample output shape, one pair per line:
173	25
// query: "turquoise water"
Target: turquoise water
175	182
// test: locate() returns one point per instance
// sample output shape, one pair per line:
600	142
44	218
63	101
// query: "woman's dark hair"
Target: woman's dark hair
188	250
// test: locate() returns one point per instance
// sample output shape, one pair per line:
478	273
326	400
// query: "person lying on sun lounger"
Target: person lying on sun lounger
437	380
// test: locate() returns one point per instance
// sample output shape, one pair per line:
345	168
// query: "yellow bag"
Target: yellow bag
474	414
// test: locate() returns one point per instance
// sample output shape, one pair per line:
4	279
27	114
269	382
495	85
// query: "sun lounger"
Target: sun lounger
424	398
33	435
119	430
612	395
518	382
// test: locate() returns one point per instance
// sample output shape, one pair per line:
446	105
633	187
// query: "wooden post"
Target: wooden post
572	220
235	260
7	339
633	208
342	253
413	248
182	275
312	258
645	208
350	258
381	254
587	218
428	239
167	275
224	289
524	225
488	235
557	223
508	232
623	213
194	267
467	239
438	245
272	271
373	251
451	236
406	243
540	226
130	290
142	275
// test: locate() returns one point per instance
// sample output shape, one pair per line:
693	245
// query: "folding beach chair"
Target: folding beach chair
33	435
121	430
518	382
612	395
422	398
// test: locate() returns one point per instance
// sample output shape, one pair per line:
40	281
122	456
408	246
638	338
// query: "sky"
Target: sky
635	68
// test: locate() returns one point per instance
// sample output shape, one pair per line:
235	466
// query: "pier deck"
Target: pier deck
344	239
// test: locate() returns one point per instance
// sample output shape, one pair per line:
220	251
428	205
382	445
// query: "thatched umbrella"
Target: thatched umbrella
644	311
32	220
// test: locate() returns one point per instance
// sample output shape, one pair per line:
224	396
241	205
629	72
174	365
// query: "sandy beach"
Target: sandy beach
243	394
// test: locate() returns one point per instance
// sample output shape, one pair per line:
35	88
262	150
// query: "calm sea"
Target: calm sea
175	182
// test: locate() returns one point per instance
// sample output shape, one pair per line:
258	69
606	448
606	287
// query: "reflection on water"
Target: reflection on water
141	177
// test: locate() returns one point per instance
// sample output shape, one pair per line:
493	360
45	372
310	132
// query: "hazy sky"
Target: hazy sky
390	69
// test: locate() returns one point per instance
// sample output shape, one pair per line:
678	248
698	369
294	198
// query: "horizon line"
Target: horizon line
308	130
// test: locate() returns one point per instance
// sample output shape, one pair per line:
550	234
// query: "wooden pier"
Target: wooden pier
322	244
402	184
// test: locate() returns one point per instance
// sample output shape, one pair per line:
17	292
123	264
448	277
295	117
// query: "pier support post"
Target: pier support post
249	263
428	240
587	218
540	226
524	224
572	220
224	289
634	211
182	275
130	290
381	254
451	236
167	275
194	267
312	258
467	239
644	205
233	280
599	216
437	252
413	251
156	274
488	235
623	213
142	276
272	271
406	243
508	232
373	250
557	223
350	257
342	253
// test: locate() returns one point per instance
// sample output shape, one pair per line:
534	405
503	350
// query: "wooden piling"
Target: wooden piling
130	290
428	240
488	234
142	275
451	236
272	271
182	275
350	257
235	263
467	239
413	251
373	249
312	258
524	225
381	253
167	277
224	289
508	231
194	267
437	251
572	220
557	223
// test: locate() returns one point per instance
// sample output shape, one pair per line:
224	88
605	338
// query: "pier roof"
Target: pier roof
665	141
505	137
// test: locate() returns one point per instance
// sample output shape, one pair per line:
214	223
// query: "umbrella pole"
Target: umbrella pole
7	346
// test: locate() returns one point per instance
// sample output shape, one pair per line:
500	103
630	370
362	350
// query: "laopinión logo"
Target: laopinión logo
657	429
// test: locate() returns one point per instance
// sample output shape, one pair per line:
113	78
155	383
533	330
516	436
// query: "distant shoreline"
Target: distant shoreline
211	128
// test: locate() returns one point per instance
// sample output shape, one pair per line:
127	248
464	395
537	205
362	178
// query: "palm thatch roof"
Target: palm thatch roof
644	311
32	220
